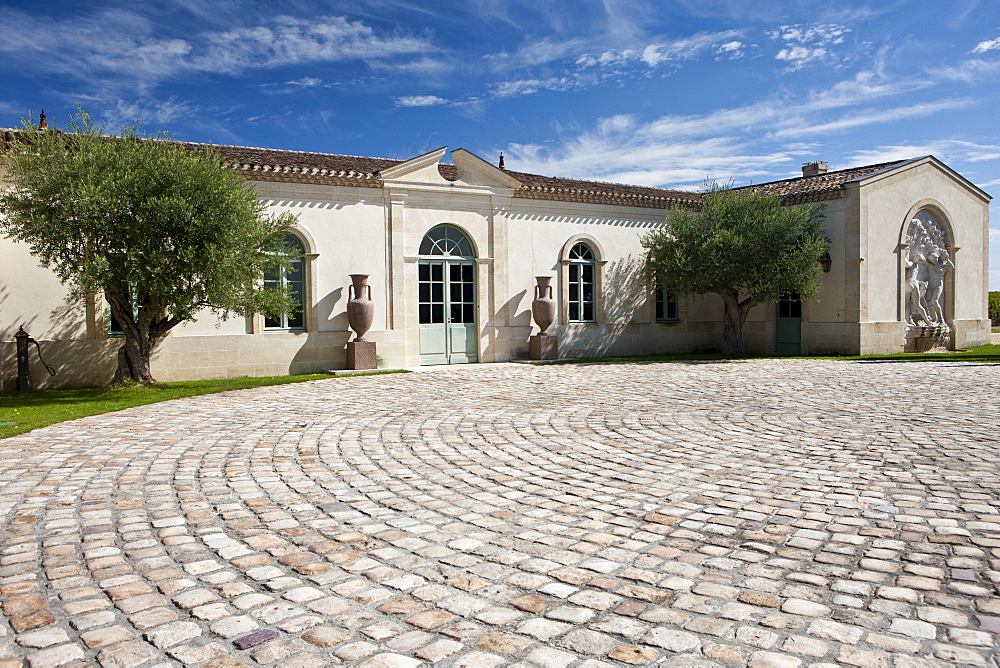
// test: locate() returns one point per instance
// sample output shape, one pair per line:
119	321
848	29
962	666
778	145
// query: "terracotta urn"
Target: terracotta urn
543	307
360	307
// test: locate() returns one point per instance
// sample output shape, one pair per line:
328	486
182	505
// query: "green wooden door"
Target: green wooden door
447	312
788	326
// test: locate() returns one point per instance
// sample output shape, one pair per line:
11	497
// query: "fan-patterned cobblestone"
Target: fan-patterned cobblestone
752	513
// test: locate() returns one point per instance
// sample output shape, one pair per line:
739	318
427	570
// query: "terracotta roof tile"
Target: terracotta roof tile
260	161
534	186
819	187
279	165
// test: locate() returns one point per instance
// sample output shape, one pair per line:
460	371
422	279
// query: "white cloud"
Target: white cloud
536	52
948	150
799	55
807	44
419	101
734	49
747	143
596	156
830	33
969	71
855	119
123	43
987	45
865	86
157	112
305	82
660	51
588	68
529	86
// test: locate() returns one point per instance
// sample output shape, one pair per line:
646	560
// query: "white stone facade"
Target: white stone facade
375	226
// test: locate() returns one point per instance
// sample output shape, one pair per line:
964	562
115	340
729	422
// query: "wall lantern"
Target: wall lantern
826	262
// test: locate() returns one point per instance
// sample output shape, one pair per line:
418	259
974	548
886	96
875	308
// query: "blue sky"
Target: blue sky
666	93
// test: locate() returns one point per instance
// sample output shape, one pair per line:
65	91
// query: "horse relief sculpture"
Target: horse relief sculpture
927	262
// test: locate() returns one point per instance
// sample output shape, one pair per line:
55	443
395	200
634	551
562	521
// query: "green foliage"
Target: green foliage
32	410
743	246
162	231
994	307
739	242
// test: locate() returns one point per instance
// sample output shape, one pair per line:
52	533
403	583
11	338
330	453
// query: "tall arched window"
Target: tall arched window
294	279
582	269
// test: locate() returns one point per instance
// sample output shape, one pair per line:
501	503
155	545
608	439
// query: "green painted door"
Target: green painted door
788	326
447	312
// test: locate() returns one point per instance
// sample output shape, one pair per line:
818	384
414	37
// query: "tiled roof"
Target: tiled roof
271	164
819	187
277	165
549	187
264	164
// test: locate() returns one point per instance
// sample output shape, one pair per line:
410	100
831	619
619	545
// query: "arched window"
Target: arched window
294	279
447	284
447	240
582	280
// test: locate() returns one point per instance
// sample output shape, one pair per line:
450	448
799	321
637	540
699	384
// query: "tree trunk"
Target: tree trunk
732	323
133	356
133	361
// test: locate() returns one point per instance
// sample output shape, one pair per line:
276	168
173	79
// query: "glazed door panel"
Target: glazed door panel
447	312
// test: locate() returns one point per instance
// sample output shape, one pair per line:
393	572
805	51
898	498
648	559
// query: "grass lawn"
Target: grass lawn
986	353
23	412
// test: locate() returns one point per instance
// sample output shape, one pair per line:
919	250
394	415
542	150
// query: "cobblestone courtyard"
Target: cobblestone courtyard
761	513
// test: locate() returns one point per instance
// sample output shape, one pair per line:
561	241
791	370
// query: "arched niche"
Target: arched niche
927	264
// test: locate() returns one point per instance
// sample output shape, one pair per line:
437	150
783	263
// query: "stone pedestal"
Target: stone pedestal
361	355
932	339
543	347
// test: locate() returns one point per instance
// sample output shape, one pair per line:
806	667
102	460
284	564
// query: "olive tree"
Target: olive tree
162	230
743	246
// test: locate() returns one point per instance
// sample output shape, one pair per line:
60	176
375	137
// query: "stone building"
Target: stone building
452	251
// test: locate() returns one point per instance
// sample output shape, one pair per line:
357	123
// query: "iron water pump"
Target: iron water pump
23	368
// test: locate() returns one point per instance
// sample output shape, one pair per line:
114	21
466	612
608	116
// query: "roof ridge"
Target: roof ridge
284	150
877	165
606	183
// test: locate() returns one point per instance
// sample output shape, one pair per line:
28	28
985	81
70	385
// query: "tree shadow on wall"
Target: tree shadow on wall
63	342
625	297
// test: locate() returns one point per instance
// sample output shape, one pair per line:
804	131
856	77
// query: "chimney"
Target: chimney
42	123
814	168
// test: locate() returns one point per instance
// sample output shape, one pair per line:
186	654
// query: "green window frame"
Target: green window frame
666	306
582	288
790	306
294	279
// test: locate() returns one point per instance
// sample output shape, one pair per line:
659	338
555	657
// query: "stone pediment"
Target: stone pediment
470	172
421	169
473	170
916	163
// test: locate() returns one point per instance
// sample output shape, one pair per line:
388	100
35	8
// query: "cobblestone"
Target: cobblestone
761	513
